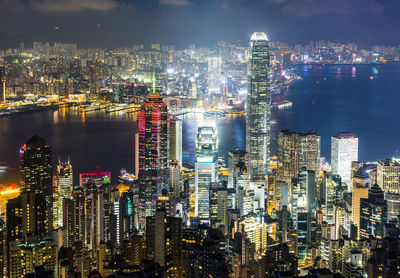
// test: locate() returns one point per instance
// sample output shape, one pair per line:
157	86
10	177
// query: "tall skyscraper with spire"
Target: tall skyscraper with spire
258	109
153	129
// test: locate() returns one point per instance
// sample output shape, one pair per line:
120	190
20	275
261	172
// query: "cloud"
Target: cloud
11	5
174	2
309	8
72	6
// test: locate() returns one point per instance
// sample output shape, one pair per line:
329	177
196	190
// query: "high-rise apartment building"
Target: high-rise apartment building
258	109
344	150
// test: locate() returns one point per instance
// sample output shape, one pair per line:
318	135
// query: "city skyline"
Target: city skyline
232	161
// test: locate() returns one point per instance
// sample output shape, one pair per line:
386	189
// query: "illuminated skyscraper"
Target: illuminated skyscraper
296	150
214	75
205	171
175	140
238	161
388	176
35	167
258	110
3	84
373	213
360	185
64	180
36	186
92	88
344	150
153	128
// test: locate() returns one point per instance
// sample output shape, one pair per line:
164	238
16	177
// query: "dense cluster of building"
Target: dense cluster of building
259	216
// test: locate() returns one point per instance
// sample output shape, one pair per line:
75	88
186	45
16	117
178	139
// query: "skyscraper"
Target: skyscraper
35	167
153	127
373	213
344	150
237	163
36	186
388	176
205	171
175	140
296	150
258	110
214	75
64	181
3	84
360	185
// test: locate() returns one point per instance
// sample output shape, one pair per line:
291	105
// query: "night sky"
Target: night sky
115	23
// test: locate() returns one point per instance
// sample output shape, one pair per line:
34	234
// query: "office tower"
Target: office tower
205	170
64	183
259	197
175	140
255	226
218	207
95	227
287	60
329	197
344	150
35	168
93	86
296	150
373	213
123	216
303	234
311	191
388	176
175	179
214	75
393	205
136	166
79	222
273	193
361	184
153	128
36	187
3	84
299	195
237	164
258	107
68	222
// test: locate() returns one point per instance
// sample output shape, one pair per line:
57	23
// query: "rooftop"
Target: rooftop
259	36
